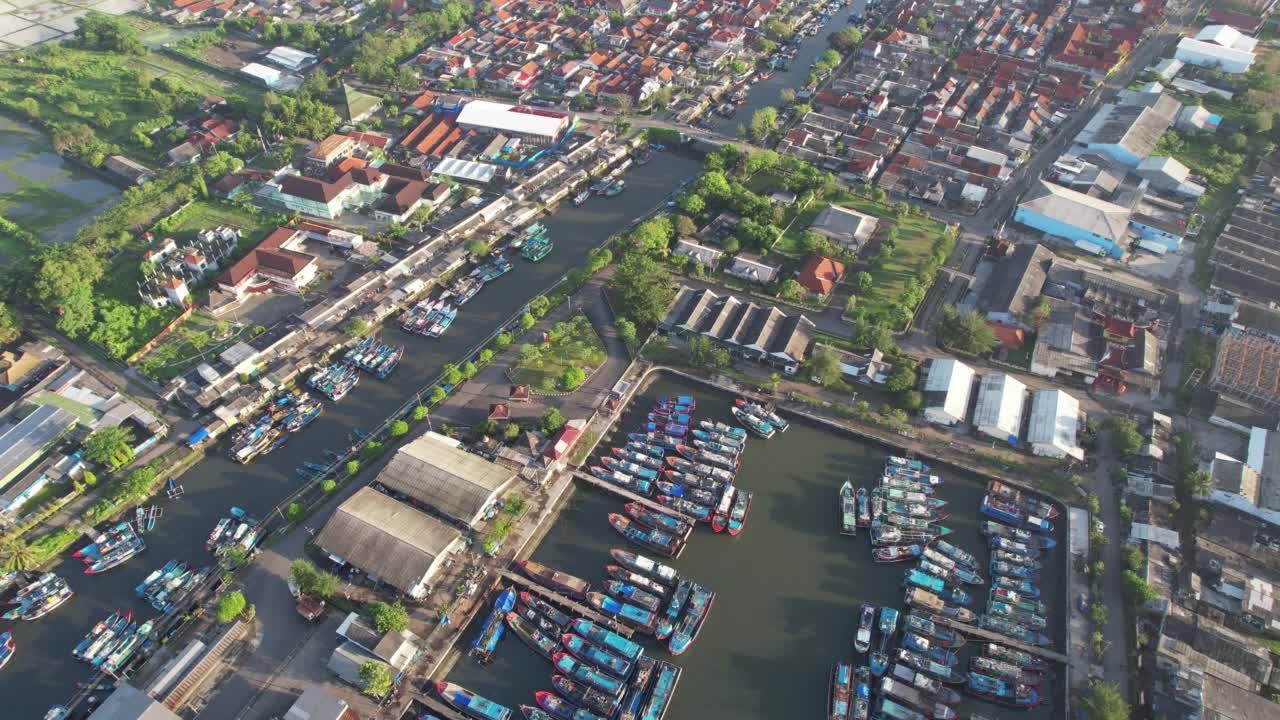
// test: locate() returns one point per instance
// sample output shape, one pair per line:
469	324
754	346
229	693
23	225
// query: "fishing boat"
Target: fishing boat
923	664
999	691
930	686
636	485
693	453
939	634
639	458
1007	671
662	440
1025	618
101	632
36	607
37	586
172	490
630	468
664	688
725	439
755	424
711	447
695	614
486	641
581	198
966	575
888	626
738	515
896	691
991	528
669	428
670	416
764	413
1014	547
898	461
1025	588
896	553
614	188
919	644
607	639
915	476
645	566
925	600
538	248
125	649
693	480
701	513
648	538
107	540
633	615
471	704
1009	514
544	608
658	520
840	694
898	482
7	648
534	637
585	696
617	572
717	426
903	496
883	534
1021	658
1010	558
535	620
334	381
861	693
575	669
1031	505
637	688
574	587
116	557
679	598
724	504
916	577
596	656
1006	626
697	468
554	707
866	622
627	592
1012	570
848	509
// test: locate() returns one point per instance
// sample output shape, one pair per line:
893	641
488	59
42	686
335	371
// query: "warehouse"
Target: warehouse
388	540
947	389
434	471
1055	420
999	411
23	443
533	124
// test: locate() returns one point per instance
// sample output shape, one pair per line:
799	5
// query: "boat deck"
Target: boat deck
996	637
561	600
623	492
439	708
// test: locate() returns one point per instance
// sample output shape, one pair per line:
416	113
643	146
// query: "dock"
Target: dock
996	637
548	594
625	493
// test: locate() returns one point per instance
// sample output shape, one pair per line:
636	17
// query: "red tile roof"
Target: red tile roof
268	257
1009	336
819	275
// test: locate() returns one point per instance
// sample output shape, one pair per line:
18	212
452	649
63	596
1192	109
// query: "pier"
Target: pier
561	600
996	637
625	493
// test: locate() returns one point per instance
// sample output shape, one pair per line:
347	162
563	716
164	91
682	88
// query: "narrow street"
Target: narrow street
1115	659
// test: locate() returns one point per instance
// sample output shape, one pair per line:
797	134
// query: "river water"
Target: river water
789	586
43	672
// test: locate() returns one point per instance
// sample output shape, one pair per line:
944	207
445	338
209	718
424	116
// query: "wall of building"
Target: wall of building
1115	152
1157	235
1060	229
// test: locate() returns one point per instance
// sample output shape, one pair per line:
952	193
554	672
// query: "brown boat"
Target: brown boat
574	587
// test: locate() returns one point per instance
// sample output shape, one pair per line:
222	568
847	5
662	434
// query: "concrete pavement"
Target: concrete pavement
1115	658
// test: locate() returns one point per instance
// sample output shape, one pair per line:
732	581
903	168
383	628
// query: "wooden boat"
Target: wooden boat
658	520
632	594
470	704
711	447
584	696
588	675
930	686
1025	618
698	468
888	626
925	600
898	461
916	577
554	707
7	648
909	497
991	528
654	438
675	606
910	697
491	631
664	688
1010	514
939	634
961	557
763	412
866	622
692	480
607	639
574	587
1001	692
717	426
637	688
657	452
741	508
617	572
581	649
1032	505
720	517
648	538
1014	547
1007	671
923	664
848	510
640	486
1015	559
840	694
863	508
725	439
645	566
1007	627
1025	588
695	614
532	619
896	553
967	576
702	497
635	470
632	615
897	482
701	513
756	425
1021	658
1010	570
919	644
861	693
637	457
694	454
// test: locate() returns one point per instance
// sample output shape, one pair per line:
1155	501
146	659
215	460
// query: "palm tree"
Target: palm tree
16	556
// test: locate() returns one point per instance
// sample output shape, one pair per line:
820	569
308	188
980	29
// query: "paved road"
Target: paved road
1115	659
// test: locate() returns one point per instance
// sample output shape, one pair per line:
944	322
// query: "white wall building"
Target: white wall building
947	389
1220	46
998	413
534	124
1055	422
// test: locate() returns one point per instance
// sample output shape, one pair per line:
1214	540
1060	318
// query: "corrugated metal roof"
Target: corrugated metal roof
1055	419
1000	401
449	479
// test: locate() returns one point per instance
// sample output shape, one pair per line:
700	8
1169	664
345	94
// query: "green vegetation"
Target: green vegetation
376	57
110	446
388	618
311	580
376	678
967	332
199	337
1124	434
230	606
642	289
1102	701
573	348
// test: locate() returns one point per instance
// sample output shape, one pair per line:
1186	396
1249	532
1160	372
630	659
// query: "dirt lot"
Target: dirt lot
233	53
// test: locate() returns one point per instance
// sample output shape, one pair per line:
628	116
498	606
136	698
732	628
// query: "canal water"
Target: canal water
789	586
42	671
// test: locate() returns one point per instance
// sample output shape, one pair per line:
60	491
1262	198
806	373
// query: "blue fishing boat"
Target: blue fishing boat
626	466
922	645
888	626
656	540
935	584
584	696
611	641
579	648
7	648
639	458
938	634
637	688
626	592
554	707
1006	626
664	688
1024	588
575	669
654	451
632	615
997	509
686	630
658	439
999	691
471	704
861	694
486	641
840	694
990	529
920	663
658	520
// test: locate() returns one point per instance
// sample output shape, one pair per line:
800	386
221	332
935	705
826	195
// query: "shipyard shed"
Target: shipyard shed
998	414
434	471
388	540
947	389
1055	422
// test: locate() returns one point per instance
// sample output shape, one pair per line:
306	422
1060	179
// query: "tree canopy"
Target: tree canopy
824	366
1103	702
966	332
230	606
111	446
312	580
96	31
643	289
388	618
376	678
9	327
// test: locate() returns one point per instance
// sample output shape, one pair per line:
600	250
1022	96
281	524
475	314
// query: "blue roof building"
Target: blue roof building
1093	225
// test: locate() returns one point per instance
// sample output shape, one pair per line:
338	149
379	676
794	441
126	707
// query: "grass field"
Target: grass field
196	340
573	344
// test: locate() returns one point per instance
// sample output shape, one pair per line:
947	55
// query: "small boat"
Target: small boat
930	686
702	497
656	452
664	688
658	520
634	696
999	691
848	510
635	470
638	458
537	620
720	517
866	622
630	593
903	496
1031	620
545	609
645	566
763	413
126	648
581	198
896	553
7	648
916	577
574	587
585	696
906	463
655	540
725	439
1032	505
991	528
711	447
938	634
615	665
1010	570
471	704
617	572
607	639
37	607
840	694
717	426
925	600
694	480
965	575
491	631
1014	546
695	454
1025	588
575	669
554	707
696	611
640	486
863	508
1006	626
961	557
697	468
679	598
116	557
532	636
738	515
753	423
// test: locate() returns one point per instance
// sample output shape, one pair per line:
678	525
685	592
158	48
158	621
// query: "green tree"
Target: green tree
64	270
420	413
511	432
477	247
1124	434
691	204
89	478
965	331
902	378
312	580
527	321
685	226
17	556
328	486
107	33
642	289
437	395
485	356
845	41
398	428
376	678
824	366
353	467
388	618
764	122
451	375
295	512
1103	701
653	236
552	420
357	327
700	348
626	332
230	606
864	282
1136	588
110	446
911	400
9	328
792	290
572	378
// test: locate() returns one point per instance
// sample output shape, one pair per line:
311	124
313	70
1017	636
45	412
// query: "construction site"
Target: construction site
1247	369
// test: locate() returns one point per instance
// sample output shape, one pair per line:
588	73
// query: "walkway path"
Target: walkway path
1115	659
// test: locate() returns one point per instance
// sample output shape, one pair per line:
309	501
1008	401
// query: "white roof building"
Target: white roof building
1055	421
947	389
268	76
513	119
998	414
1220	46
290	58
472	171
